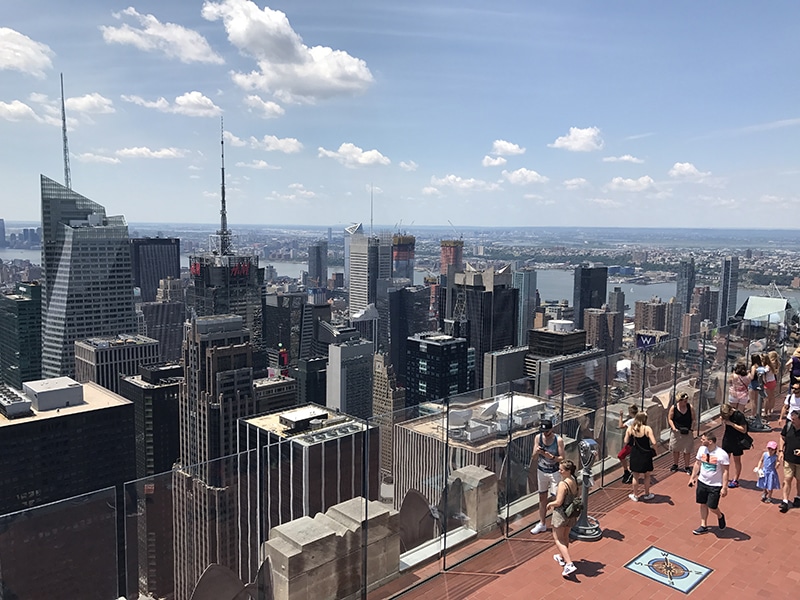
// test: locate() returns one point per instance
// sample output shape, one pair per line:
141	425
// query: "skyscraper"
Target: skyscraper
487	302
104	360
602	326
589	290
403	256
436	368
525	282
349	378
21	334
389	400
685	282
154	259
349	232
2	233
370	260
728	289
318	265
154	393
225	281
217	391
451	254
88	287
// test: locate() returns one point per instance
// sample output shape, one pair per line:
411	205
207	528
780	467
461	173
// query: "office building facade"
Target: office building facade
728	289
403	248
525	282
88	286
370	259
349	378
318	265
589	290
21	334
154	259
436	367
217	391
685	282
104	360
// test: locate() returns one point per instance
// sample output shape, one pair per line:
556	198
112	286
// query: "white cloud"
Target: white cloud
300	190
175	41
605	202
190	104
620	184
431	191
687	171
88	157
18	111
90	103
267	110
351	156
488	161
579	140
504	148
258	164
408	166
270	143
464	185
144	152
232	139
575	183
194	168
524	176
18	52
287	69
623	158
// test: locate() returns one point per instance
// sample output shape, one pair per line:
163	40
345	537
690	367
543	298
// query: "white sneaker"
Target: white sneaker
569	569
540	528
633	497
559	559
648	497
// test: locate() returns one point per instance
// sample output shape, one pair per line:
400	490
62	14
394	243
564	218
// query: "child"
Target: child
767	472
633	410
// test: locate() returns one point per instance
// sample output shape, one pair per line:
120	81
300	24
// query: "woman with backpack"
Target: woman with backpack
562	522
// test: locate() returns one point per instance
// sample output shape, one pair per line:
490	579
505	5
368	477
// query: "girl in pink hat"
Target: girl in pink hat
768	472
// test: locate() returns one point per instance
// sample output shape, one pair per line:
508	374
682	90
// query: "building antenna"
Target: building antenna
371	203
223	233
67	176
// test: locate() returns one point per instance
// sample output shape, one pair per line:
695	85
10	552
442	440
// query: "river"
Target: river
553	284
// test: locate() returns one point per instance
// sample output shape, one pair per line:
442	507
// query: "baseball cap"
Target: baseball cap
545	425
772	445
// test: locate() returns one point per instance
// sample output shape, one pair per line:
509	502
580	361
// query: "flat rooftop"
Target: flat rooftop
95	397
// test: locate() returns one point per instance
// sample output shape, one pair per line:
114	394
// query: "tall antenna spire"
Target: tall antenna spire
67	177
223	233
370	210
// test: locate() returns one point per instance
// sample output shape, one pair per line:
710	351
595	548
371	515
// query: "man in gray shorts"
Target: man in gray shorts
548	452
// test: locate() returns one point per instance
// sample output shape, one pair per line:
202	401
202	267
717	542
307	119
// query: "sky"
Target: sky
506	113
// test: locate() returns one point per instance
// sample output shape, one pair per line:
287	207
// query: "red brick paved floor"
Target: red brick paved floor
755	557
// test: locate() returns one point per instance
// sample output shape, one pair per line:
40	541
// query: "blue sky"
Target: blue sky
504	113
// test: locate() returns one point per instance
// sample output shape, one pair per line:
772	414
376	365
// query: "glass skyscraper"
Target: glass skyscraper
88	286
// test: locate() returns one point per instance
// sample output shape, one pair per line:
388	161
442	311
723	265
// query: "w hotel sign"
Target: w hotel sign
649	338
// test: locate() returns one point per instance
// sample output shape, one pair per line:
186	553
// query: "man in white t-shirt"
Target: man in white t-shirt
792	402
711	476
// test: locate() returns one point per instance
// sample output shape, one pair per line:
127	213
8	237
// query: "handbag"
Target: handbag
745	441
574	508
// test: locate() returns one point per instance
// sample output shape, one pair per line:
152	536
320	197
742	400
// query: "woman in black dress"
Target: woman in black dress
643	448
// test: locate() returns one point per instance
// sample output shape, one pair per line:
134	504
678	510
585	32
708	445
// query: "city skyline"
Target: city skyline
554	116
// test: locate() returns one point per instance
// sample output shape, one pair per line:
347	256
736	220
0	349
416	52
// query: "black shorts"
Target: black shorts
708	494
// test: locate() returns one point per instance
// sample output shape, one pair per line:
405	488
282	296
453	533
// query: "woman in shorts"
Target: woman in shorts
739	387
